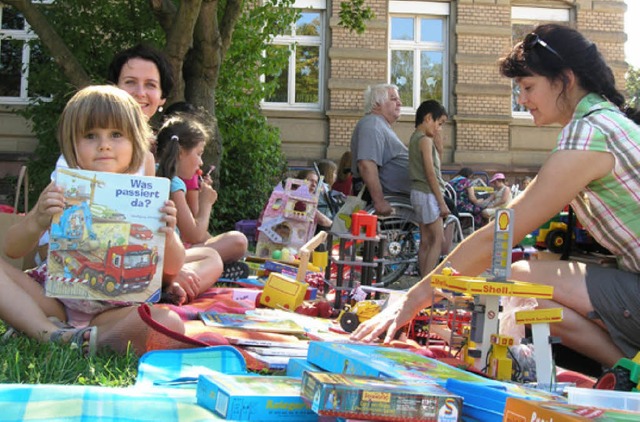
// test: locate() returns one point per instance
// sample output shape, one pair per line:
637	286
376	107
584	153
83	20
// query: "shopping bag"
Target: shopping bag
342	220
11	216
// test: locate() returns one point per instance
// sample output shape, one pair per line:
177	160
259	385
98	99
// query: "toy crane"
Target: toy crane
486	293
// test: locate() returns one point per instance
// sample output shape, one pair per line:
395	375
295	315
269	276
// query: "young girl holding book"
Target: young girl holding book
101	128
180	145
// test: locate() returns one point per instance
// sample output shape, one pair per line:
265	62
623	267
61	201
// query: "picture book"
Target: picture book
253	397
380	399
271	362
278	351
250	322
106	243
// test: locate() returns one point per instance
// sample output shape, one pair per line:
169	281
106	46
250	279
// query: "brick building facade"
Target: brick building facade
483	130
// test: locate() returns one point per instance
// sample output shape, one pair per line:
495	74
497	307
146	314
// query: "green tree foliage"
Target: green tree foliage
633	86
250	143
353	15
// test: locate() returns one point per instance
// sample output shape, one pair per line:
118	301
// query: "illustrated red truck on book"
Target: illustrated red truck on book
122	269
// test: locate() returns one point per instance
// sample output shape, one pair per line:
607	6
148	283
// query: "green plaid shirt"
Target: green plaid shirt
608	207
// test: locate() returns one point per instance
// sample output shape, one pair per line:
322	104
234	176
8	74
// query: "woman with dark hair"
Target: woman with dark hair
145	73
466	200
563	79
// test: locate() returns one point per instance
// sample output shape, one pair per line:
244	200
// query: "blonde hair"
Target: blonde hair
103	106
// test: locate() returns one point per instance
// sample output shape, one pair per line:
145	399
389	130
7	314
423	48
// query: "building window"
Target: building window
523	20
300	82
418	51
16	54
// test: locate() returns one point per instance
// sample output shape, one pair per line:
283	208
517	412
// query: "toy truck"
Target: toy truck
624	376
122	269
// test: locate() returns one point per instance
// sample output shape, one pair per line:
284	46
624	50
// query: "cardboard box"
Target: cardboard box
385	362
297	366
486	402
379	399
519	410
253	397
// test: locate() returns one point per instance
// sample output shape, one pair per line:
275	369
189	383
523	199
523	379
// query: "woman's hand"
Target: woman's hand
389	321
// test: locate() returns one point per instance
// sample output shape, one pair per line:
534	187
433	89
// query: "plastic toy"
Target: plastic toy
500	365
542	341
552	235
487	292
624	376
352	316
282	291
288	220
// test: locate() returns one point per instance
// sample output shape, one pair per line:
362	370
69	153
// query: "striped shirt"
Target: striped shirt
608	207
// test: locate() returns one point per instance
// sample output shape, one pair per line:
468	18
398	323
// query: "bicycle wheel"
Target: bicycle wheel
401	241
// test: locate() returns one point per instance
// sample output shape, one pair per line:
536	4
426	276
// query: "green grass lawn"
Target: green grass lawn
26	361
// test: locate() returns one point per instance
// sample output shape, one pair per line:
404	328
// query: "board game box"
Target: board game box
519	410
253	397
380	399
385	362
106	243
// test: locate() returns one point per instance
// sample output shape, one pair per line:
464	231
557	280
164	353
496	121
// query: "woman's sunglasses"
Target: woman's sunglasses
534	39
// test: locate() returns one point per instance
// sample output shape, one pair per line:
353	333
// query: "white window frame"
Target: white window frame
416	11
531	16
292	41
25	35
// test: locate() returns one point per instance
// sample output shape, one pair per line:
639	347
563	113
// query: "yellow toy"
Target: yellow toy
500	365
281	291
542	341
487	293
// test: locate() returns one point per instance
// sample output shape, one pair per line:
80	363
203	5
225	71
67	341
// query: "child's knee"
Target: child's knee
168	318
240	240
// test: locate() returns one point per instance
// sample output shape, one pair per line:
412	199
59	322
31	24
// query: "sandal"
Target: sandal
235	270
87	347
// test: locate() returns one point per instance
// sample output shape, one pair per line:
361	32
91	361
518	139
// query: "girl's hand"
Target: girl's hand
50	203
189	281
170	216
208	195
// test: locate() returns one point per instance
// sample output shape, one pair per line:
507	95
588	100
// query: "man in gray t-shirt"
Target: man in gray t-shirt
379	156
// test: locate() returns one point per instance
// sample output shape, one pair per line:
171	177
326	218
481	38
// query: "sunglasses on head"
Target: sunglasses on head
534	39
